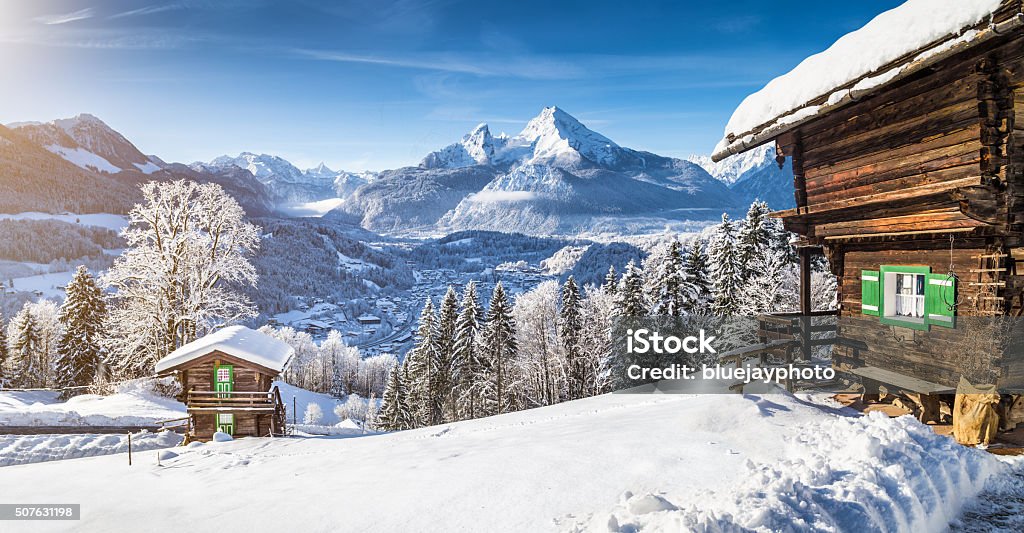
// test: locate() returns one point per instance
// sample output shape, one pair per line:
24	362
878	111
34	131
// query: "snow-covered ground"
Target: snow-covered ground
24	449
133	405
51	285
102	220
616	462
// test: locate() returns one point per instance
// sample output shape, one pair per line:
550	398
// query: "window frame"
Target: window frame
904	322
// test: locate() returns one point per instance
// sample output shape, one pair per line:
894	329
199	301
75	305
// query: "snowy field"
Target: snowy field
610	463
102	220
24	449
133	405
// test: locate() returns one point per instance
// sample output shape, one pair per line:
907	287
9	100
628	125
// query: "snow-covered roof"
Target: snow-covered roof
866	59
237	341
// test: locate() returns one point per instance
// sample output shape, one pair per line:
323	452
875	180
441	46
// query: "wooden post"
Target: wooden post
129	448
805	302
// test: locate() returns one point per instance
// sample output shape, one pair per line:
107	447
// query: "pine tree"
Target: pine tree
499	352
697	288
570	328
611	281
763	291
444	354
753	239
395	414
466	361
724	277
421	368
630	296
79	353
23	337
667	282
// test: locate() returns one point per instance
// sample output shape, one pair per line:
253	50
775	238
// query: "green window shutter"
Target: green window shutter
869	291
939	293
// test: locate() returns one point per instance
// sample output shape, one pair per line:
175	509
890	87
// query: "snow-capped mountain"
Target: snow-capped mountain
754	174
554	176
286	183
89	143
553	137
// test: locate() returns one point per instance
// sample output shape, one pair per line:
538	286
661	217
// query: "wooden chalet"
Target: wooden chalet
909	178
227	382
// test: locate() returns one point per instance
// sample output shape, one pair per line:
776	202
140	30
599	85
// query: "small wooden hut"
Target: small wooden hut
227	382
908	164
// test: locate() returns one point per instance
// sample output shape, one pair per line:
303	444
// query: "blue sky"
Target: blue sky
376	84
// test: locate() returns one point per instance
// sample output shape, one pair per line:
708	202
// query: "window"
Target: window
904	295
908	296
225	418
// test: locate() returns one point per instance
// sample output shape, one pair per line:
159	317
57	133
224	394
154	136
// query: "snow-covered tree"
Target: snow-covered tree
541	364
500	350
314	414
611	280
445	377
597	315
664	279
395	413
570	331
752	239
79	353
23	342
722	268
696	285
765	289
180	275
422	369
467	358
630	295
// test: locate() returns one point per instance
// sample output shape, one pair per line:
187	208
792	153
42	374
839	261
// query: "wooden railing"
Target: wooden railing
232	399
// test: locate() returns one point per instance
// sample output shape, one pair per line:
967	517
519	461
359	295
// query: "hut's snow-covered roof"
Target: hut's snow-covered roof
864	58
238	341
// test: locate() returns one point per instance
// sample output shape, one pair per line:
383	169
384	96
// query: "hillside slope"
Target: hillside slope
614	462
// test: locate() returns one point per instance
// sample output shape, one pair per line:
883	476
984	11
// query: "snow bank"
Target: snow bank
135	404
83	158
886	38
842	474
24	449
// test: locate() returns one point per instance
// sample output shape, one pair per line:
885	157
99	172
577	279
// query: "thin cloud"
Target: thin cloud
65	18
517	67
148	10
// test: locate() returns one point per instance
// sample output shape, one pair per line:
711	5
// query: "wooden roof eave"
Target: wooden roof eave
908	66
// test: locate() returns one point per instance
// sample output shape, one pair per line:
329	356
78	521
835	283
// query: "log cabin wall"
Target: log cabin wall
200	376
887	180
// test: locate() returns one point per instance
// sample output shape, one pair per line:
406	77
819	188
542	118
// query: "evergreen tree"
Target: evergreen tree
499	352
444	353
697	287
23	337
570	329
667	282
753	239
78	352
611	280
763	291
466	359
395	414
724	277
630	296
421	368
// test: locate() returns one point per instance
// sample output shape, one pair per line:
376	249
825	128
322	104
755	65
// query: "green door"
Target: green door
224	380
226	423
